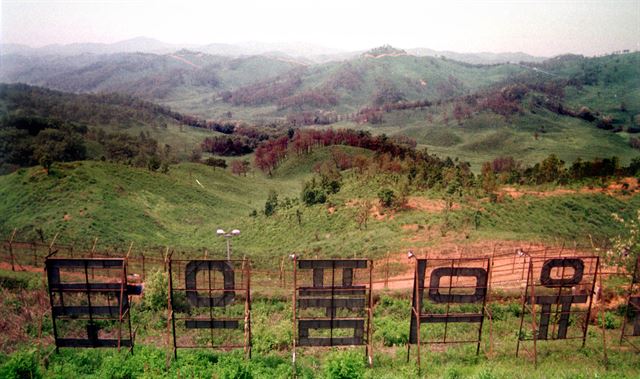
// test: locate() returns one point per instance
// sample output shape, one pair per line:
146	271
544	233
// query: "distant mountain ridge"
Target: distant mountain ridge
148	75
478	58
305	52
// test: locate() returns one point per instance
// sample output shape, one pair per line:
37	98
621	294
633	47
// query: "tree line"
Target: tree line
270	153
31	140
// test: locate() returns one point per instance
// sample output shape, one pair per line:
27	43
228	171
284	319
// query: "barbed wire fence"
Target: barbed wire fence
391	272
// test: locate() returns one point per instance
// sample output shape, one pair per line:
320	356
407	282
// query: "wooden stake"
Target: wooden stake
602	313
13	267
52	242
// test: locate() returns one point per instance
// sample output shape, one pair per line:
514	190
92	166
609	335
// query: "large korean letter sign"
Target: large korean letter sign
90	302
332	305
205	299
563	290
451	284
631	323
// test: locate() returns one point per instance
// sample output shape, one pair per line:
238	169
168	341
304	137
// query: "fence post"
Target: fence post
282	282
35	253
143	272
13	267
166	254
386	273
129	251
93	249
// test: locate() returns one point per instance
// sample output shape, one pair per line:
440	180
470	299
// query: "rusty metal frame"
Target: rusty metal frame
447	267
558	305
91	313
229	269
332	297
632	313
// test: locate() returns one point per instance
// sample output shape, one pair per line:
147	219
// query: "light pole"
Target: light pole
227	236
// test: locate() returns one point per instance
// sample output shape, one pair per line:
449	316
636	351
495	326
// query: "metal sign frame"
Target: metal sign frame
456	293
632	314
213	311
343	294
557	298
89	291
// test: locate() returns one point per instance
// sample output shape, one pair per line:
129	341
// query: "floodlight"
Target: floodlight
220	232
410	254
522	253
235	232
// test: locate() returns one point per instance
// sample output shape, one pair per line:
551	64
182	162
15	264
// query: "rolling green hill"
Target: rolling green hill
184	207
261	87
608	86
366	80
266	89
192	82
150	76
487	135
112	113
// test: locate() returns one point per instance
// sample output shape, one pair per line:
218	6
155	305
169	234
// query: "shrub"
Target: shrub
272	338
216	162
345	365
271	204
155	291
610	321
313	193
232	367
20	280
515	309
388	330
21	365
498	311
486	374
453	373
386	197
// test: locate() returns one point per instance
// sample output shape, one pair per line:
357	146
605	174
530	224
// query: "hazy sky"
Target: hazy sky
535	27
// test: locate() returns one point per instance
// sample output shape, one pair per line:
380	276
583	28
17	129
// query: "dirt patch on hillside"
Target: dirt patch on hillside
429	205
616	188
411	227
518	193
378	212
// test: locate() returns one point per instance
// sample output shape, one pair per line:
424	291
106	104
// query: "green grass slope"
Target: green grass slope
120	203
183	208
